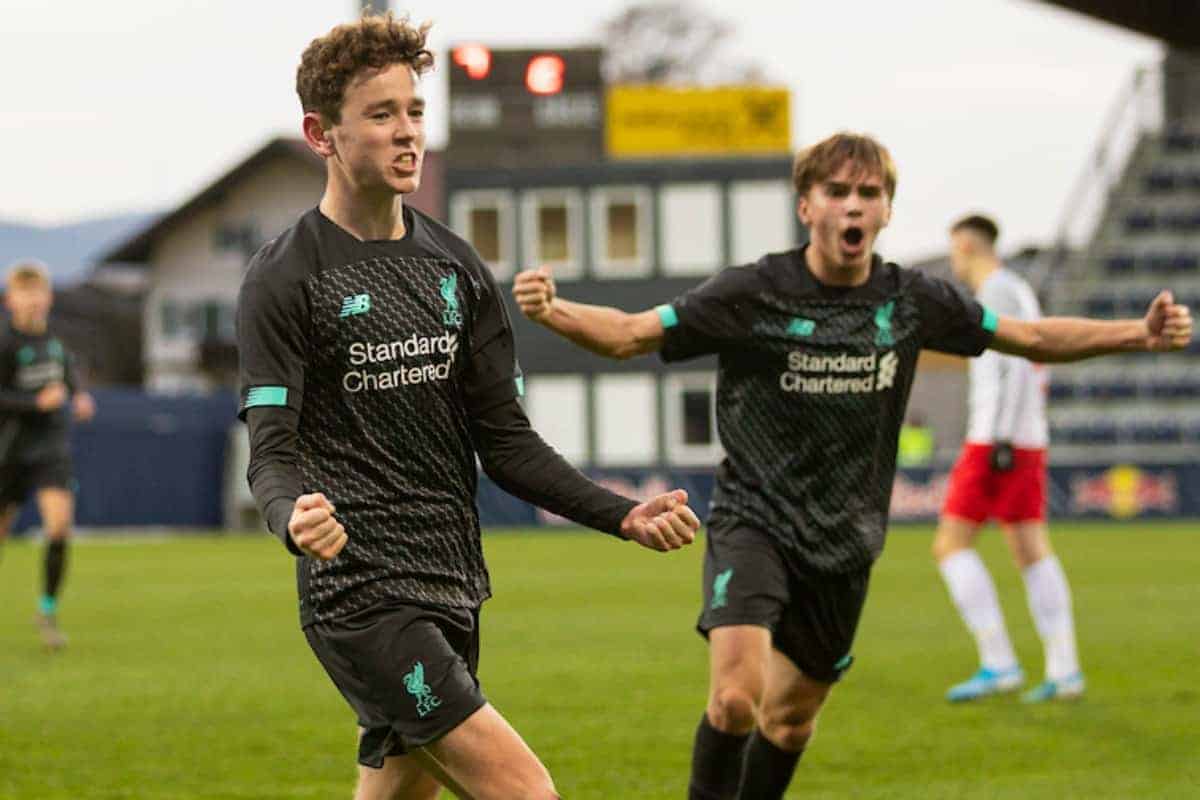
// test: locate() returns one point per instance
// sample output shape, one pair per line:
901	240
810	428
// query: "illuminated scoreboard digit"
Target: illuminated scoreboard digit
511	108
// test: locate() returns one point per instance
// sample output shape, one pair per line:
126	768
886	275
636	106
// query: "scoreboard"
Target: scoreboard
520	108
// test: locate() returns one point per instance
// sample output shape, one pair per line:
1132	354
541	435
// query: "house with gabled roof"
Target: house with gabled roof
193	258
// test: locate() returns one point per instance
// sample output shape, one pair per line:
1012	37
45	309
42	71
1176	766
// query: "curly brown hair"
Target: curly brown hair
816	163
331	62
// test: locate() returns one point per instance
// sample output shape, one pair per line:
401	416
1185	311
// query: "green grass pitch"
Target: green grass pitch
187	675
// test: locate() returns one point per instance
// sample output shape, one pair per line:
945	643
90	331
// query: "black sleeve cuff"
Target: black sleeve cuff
278	514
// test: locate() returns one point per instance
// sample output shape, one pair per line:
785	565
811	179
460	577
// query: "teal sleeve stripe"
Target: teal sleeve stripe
990	320
266	396
520	381
668	316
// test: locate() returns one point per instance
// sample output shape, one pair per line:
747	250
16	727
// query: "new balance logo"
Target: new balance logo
720	595
414	682
799	326
355	304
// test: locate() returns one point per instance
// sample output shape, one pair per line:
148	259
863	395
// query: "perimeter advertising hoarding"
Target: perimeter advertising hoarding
1114	492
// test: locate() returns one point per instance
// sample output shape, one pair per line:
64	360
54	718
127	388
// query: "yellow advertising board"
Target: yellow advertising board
645	121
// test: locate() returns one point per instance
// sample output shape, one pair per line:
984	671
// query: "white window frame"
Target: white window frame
531	201
612	429
748	245
710	192
679	453
642	198
176	308
462	203
578	452
190	313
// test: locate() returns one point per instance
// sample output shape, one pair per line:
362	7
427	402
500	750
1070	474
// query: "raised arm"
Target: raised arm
602	330
1166	326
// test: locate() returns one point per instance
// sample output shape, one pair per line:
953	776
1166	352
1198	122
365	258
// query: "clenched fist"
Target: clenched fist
1168	324
314	529
51	397
534	291
662	523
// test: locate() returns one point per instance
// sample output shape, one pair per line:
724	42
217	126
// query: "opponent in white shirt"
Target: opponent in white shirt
1007	393
1001	474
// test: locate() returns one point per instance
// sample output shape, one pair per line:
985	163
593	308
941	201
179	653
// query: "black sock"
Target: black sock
56	565
767	770
716	763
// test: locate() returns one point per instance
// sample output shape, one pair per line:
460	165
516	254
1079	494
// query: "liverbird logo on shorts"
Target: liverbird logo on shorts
414	682
720	594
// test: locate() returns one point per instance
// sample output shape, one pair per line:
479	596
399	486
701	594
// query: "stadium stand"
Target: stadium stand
1144	236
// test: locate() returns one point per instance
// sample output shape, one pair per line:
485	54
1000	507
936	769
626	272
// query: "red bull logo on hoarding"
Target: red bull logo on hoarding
1126	491
914	499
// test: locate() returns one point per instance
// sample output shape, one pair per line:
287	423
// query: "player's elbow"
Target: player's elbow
633	337
1037	345
1024	339
624	350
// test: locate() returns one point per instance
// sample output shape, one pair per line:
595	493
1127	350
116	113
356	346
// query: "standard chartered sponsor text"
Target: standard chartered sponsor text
396	352
809	373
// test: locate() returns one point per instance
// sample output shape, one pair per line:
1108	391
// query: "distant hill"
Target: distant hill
70	251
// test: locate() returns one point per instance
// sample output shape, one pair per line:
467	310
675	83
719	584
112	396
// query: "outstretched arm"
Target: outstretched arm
602	330
525	466
1166	326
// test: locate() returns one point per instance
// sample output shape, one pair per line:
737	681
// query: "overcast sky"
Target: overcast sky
994	105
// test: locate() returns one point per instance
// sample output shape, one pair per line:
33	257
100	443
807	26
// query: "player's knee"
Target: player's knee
792	738
731	710
791	729
531	785
530	791
946	545
58	533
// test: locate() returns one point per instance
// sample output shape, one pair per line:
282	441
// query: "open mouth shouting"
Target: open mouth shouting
406	164
853	240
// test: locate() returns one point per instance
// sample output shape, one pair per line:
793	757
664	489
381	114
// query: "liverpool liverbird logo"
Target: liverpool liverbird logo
414	682
449	289
883	324
721	589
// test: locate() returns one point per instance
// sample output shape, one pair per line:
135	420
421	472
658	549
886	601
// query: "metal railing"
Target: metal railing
1136	111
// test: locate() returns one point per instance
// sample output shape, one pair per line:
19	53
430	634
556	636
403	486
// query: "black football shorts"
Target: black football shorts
19	481
812	618
409	673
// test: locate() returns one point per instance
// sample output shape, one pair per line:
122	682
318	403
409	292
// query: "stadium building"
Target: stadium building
631	194
192	259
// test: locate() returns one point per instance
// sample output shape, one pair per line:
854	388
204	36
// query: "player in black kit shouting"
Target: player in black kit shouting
377	362
817	348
